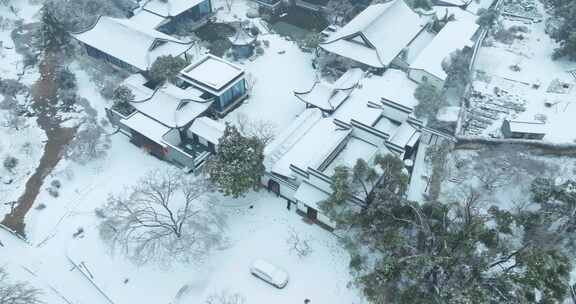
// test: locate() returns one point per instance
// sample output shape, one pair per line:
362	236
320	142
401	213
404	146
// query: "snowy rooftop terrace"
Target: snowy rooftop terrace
212	73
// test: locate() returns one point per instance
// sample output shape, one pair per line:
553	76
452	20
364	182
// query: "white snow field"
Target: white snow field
532	84
258	224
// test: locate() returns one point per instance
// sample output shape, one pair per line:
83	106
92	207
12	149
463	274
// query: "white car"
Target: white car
269	273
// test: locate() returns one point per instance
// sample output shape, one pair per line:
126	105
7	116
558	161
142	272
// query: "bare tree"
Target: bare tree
262	129
14	120
229	4
226	297
89	143
299	245
163	219
17	292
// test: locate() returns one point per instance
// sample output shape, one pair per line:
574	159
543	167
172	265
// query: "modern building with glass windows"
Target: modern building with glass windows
175	13
218	79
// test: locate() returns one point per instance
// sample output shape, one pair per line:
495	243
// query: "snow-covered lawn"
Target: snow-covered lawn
26	145
532	55
258	225
282	69
260	231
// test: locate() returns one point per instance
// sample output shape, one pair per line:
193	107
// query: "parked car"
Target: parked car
269	273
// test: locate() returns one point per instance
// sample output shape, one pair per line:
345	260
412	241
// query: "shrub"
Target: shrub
10	163
56	184
166	68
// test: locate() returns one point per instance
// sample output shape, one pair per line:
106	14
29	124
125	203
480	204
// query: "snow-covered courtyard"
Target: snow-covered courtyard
65	257
524	81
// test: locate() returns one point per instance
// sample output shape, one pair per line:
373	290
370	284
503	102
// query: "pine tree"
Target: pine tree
53	33
166	68
430	100
238	165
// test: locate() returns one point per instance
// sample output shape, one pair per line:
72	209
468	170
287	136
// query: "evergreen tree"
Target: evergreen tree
567	48
166	68
237	166
430	101
336	206
564	12
457	70
54	35
488	17
363	181
122	98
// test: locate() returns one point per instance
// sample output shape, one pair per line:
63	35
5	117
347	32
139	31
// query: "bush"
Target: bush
65	79
10	163
11	87
122	97
56	184
487	17
53	192
166	68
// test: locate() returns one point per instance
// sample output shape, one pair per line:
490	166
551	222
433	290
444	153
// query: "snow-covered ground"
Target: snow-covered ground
258	232
26	144
282	69
509	172
517	67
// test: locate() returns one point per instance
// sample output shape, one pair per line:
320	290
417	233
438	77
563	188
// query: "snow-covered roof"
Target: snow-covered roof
527	127
310	195
454	36
147	127
404	135
212	73
393	85
147	19
377	34
208	129
170	8
169	105
329	97
312	148
355	148
131	42
290	136
242	37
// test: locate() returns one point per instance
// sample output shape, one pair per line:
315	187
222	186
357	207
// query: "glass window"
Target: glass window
204	7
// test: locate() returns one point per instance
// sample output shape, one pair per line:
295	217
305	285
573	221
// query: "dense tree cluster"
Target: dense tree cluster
457	252
166	68
565	34
238	165
80	14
